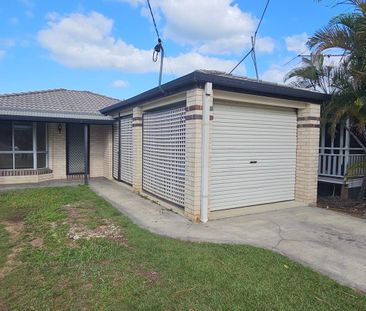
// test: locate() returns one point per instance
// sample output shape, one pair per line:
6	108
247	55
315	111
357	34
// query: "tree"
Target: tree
347	82
313	74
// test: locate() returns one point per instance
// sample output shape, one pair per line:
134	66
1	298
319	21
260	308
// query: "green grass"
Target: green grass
150	272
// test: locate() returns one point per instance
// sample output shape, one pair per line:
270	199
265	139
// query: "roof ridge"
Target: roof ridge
93	93
33	92
57	90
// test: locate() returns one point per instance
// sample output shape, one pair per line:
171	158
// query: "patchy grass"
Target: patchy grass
4	244
115	265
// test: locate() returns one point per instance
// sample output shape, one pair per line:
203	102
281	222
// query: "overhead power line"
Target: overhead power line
244	57
153	19
253	42
311	55
158	49
260	21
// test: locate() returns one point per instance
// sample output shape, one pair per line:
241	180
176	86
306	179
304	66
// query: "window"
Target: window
23	145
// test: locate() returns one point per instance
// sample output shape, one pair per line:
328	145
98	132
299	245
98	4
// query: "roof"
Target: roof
221	81
56	105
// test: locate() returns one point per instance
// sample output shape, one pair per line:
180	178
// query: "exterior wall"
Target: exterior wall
4	180
57	150
108	152
100	151
308	131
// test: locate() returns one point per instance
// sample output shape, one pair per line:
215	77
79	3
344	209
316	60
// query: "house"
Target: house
337	153
204	142
42	135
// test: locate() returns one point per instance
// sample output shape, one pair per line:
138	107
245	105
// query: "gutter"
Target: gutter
221	82
56	119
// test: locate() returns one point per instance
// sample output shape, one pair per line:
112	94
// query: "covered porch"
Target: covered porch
336	155
32	152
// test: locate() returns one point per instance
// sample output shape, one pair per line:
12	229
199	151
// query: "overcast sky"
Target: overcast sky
105	46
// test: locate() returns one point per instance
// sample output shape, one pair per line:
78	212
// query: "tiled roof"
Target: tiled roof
58	103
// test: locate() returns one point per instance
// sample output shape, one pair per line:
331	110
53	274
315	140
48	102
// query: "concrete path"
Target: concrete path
329	242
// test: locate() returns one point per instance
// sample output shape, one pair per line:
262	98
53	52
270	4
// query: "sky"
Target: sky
105	46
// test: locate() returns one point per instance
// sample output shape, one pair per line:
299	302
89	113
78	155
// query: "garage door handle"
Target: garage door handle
253	162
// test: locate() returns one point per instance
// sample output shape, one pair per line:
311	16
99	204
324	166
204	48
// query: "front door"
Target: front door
75	154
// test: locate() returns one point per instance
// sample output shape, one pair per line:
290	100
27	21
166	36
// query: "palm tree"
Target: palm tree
346	82
312	74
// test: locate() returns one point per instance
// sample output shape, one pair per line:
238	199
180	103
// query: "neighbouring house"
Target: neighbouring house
337	153
204	142
42	135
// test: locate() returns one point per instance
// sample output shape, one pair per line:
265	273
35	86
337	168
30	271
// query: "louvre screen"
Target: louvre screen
122	150
115	149
126	149
164	153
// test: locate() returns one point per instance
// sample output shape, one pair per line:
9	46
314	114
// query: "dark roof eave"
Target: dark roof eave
55	119
198	78
178	85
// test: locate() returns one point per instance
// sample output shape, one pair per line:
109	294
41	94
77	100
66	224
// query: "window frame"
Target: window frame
34	150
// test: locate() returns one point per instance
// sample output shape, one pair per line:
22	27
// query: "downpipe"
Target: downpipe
207	100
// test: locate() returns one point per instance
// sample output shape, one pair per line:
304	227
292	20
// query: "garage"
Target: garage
218	145
253	155
122	150
164	153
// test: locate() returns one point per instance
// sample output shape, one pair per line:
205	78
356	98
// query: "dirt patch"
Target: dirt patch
108	231
3	306
350	206
37	242
78	218
14	228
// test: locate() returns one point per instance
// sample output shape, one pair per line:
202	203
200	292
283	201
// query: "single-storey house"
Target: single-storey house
205	142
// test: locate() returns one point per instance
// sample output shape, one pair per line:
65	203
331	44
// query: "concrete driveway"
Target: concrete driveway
328	242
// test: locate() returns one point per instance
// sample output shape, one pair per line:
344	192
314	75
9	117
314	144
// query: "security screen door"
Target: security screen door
75	149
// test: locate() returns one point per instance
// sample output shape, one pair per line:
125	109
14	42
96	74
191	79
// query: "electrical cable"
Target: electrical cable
153	19
158	49
253	40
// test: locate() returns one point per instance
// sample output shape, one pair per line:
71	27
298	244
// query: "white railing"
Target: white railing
333	162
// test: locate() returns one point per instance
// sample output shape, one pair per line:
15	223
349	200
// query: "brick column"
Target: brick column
57	150
97	138
308	131
137	149
108	152
193	154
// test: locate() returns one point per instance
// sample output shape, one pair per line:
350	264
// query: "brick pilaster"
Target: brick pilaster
192	199
137	148
57	150
308	131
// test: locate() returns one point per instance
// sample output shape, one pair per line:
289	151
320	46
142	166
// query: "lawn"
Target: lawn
68	249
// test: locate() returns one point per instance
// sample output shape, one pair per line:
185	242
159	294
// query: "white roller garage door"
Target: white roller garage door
164	153
253	155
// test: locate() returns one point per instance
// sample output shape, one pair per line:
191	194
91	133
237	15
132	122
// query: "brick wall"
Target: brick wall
101	151
308	132
57	150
